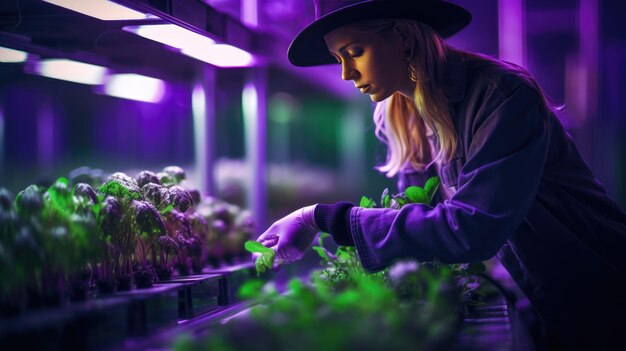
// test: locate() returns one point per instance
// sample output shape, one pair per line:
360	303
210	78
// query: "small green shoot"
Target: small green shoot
267	258
367	202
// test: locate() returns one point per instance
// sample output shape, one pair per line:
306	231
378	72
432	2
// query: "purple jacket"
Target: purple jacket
523	194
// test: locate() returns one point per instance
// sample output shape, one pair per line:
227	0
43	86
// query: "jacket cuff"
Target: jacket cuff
335	220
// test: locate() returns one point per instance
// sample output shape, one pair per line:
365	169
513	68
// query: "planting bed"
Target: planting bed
199	294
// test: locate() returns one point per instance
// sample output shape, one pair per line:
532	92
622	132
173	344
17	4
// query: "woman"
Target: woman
513	184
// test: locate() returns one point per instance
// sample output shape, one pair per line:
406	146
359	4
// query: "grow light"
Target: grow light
170	34
11	55
221	55
73	71
135	87
194	45
100	9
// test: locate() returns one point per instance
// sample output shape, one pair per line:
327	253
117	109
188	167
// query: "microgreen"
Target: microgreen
266	260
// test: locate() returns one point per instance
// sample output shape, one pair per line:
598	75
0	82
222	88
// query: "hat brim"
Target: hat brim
309	48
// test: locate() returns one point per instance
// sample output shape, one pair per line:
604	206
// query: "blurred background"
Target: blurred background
247	126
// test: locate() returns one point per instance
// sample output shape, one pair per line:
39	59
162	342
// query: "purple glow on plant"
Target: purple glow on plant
171	35
10	55
511	38
135	87
221	55
72	71
100	9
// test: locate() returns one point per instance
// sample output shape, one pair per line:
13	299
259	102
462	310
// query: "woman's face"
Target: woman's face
377	64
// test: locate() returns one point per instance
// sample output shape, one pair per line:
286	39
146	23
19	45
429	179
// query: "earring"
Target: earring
412	74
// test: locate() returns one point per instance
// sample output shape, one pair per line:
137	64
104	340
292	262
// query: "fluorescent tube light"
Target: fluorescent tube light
101	9
221	55
73	71
194	45
135	87
11	55
170	34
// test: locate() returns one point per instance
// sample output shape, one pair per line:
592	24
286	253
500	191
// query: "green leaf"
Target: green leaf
167	210
416	195
322	252
386	201
367	202
250	289
96	209
431	186
401	200
265	262
321	237
255	246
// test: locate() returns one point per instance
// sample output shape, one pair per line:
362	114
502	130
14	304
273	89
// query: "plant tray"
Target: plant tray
90	325
199	294
232	279
152	308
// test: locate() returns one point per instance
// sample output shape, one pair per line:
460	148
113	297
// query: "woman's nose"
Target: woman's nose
347	71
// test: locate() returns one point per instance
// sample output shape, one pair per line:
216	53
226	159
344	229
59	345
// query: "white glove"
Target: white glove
291	235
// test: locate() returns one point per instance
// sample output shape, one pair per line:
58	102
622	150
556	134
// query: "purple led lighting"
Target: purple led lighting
194	45
10	55
171	35
221	55
135	87
100	9
69	70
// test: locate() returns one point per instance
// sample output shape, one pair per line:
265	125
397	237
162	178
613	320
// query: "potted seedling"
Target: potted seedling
165	249
118	194
199	228
150	227
11	296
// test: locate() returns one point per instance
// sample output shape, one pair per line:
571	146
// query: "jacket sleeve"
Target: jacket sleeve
496	187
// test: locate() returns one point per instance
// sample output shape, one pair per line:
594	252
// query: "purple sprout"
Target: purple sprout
86	191
147	177
180	198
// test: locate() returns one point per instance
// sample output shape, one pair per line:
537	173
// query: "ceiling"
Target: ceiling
47	30
50	31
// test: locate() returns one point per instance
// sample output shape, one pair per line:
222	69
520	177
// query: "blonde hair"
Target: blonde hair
400	121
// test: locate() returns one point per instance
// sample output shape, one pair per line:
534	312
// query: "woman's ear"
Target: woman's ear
401	36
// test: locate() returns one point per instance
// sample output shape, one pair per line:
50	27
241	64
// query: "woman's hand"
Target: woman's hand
291	235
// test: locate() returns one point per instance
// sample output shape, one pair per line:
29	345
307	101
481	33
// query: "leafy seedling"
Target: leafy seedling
267	258
367	202
431	186
416	195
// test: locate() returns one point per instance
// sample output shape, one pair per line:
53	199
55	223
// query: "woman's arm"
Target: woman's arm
496	188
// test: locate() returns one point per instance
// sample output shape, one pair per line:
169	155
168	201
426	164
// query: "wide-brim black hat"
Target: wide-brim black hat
309	49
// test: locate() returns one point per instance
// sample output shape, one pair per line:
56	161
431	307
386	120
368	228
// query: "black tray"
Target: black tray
200	294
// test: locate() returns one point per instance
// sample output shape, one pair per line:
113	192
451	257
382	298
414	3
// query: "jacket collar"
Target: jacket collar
454	77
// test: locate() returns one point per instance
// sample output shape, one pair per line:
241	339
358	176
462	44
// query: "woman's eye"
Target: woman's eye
356	53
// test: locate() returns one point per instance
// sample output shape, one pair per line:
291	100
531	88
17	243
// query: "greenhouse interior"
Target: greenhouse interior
151	149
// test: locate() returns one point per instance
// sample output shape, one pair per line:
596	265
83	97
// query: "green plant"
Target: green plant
410	305
267	258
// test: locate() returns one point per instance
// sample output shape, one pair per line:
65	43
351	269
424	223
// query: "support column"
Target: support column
203	106
254	101
511	31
